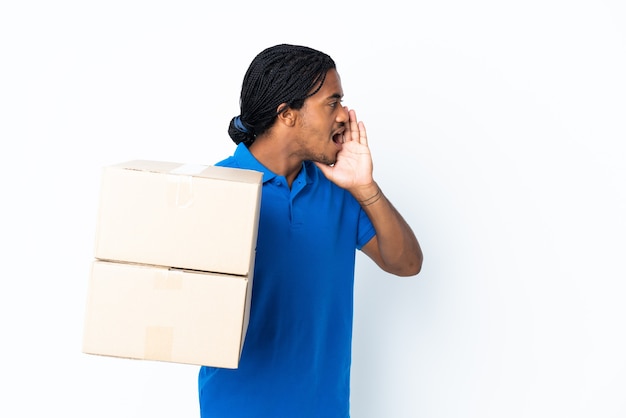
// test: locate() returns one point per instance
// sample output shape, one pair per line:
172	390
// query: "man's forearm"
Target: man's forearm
396	249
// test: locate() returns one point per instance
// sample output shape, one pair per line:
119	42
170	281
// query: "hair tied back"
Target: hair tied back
239	125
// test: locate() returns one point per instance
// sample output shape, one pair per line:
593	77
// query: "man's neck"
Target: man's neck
273	154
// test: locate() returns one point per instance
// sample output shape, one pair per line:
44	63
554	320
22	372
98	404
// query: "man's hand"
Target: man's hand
353	168
394	247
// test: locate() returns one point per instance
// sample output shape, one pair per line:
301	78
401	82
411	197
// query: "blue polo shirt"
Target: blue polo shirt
297	353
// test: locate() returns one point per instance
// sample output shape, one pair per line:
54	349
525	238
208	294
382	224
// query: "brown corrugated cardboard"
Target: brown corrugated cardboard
176	215
156	313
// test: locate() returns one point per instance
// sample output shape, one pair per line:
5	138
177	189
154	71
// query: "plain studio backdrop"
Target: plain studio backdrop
497	129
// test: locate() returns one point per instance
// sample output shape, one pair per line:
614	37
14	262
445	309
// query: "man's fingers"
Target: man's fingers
362	133
355	130
353	127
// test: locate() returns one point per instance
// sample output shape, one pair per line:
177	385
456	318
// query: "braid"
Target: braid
280	74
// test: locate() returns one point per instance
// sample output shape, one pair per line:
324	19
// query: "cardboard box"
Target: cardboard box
186	216
156	313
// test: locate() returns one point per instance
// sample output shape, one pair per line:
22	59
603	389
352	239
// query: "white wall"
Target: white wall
496	129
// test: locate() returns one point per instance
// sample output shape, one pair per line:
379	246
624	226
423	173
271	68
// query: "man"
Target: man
319	205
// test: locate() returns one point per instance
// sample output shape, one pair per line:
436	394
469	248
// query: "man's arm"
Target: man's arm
394	247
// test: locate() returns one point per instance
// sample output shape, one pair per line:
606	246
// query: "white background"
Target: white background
497	129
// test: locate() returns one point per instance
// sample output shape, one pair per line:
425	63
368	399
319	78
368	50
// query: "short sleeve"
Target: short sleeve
365	231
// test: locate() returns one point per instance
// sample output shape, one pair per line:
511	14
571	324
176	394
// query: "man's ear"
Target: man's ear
286	115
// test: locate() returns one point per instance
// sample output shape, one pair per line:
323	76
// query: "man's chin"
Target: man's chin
326	159
329	161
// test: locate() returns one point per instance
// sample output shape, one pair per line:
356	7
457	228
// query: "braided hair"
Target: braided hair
280	74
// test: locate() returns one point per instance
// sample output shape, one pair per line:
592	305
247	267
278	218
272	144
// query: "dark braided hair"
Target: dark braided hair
280	74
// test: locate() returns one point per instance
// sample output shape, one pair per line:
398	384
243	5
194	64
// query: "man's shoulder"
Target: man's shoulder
228	162
241	158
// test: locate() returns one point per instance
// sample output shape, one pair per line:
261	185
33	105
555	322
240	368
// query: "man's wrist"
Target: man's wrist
371	200
366	195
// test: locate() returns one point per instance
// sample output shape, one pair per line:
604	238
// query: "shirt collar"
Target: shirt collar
246	159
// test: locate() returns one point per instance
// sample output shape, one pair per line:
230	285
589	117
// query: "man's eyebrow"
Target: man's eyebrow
336	96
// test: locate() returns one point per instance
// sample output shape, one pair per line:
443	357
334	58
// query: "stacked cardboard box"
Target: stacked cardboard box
172	274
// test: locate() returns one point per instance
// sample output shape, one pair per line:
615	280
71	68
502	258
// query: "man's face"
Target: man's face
321	123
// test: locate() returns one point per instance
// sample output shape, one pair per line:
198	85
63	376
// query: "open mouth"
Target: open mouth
338	138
